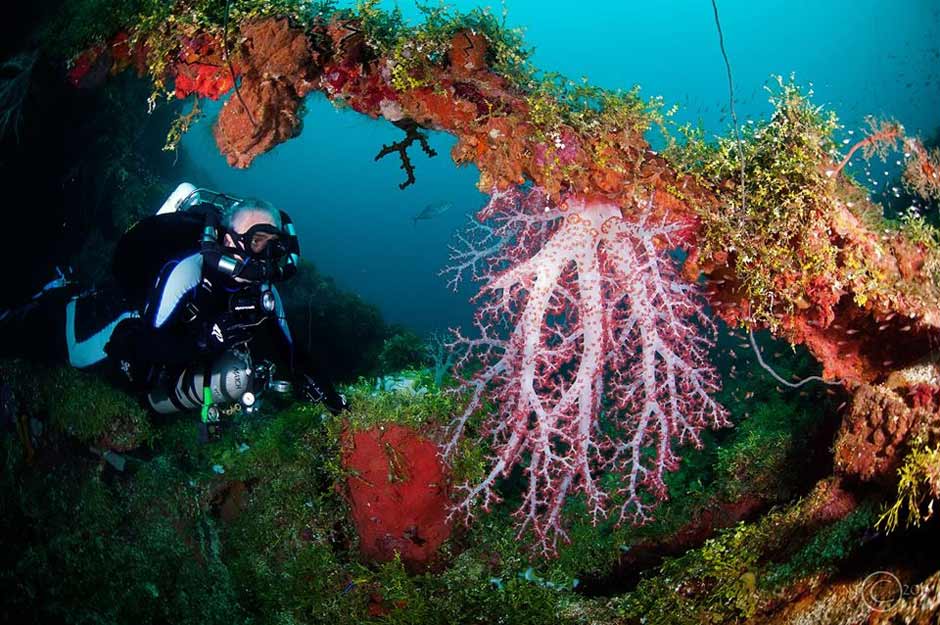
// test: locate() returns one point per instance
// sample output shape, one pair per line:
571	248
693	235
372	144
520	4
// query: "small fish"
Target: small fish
431	211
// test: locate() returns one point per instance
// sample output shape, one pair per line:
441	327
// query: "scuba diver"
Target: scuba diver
199	322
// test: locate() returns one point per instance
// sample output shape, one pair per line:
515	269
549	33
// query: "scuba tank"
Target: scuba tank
231	385
230	381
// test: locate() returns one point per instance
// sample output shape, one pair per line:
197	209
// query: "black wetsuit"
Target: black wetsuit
171	314
192	314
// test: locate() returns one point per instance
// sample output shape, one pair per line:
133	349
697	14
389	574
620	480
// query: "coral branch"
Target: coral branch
884	136
412	134
582	304
922	172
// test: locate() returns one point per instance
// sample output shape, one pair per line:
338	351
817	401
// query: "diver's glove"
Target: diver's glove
316	392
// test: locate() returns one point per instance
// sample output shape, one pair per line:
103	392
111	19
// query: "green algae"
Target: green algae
731	576
917	487
77	404
95	550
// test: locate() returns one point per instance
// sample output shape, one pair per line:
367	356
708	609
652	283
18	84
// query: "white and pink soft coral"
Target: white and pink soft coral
593	349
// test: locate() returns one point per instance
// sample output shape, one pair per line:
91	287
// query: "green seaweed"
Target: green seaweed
77	404
92	550
403	350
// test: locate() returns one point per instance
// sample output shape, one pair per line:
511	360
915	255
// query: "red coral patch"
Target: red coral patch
397	492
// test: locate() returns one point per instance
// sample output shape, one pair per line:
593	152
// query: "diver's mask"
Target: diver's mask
261	241
265	253
262	254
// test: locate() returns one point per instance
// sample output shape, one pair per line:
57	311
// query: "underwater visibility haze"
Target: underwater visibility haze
539	312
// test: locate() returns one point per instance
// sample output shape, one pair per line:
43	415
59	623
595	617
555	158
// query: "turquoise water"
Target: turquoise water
862	58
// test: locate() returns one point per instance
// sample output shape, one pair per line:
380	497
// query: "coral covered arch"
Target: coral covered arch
592	345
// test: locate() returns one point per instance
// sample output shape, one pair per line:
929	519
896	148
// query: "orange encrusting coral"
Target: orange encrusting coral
279	71
201	69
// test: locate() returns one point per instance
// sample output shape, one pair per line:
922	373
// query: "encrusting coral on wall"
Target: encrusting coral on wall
277	59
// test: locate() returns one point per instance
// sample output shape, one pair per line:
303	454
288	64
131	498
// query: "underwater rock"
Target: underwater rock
834	603
874	433
917	605
883	597
397	493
